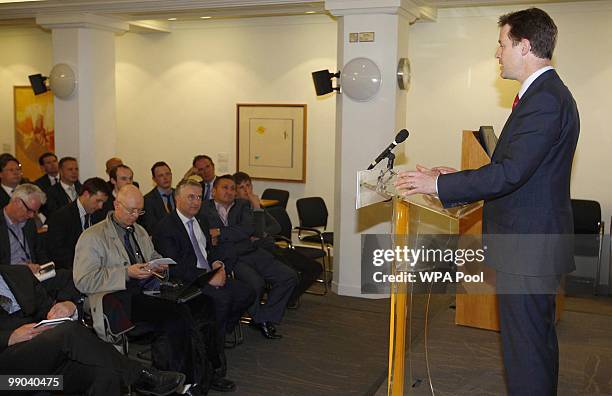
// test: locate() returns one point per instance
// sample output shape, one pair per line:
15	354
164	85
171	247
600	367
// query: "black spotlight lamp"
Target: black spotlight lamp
323	83
38	83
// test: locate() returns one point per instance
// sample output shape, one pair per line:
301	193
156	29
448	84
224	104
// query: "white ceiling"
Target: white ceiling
16	13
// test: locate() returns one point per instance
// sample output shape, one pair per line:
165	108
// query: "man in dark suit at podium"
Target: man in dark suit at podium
526	193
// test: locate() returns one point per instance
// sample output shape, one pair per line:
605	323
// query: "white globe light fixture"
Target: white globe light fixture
62	81
360	79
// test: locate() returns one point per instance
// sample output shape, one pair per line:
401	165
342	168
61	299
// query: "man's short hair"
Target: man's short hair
41	159
157	165
6	159
241	177
534	25
186	183
201	157
95	185
223	177
23	191
113	172
66	159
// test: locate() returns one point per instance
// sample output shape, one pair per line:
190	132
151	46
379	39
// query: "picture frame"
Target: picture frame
34	128
271	141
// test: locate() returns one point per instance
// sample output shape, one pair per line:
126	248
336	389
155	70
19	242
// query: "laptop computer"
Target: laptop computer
183	292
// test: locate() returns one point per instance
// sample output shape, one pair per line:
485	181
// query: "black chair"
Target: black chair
284	236
312	213
588	239
282	196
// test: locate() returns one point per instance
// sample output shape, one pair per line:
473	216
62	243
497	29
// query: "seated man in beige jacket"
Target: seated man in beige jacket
110	266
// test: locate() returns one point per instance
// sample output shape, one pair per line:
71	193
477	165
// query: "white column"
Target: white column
85	123
364	129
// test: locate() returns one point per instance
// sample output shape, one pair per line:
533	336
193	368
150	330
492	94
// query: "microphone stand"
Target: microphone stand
390	161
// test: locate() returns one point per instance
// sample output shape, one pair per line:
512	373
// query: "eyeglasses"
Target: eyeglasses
194	197
28	208
132	211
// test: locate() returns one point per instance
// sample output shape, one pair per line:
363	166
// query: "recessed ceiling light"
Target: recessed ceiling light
172	19
311	12
205	17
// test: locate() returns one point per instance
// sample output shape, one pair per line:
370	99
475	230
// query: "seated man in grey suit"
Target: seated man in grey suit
160	200
87	364
49	165
111	262
231	223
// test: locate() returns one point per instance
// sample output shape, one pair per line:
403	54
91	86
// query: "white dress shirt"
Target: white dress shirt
198	234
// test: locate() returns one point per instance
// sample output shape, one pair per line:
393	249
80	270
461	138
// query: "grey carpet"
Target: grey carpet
332	345
467	361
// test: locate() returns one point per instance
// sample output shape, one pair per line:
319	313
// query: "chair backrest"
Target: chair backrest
587	216
312	212
282	196
281	216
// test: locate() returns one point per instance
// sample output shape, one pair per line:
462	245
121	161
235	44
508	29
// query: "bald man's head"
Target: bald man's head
128	205
112	163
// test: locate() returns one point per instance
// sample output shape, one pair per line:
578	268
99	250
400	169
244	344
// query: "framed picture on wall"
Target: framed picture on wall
271	141
34	128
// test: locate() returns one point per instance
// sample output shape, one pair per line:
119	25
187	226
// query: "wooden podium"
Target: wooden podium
479	310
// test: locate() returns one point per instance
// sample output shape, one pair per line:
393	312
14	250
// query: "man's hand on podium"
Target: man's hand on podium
421	181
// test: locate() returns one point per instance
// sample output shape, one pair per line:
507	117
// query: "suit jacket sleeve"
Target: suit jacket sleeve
168	242
58	244
536	131
31	293
92	272
243	227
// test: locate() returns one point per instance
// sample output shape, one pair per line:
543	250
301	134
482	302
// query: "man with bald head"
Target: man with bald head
111	268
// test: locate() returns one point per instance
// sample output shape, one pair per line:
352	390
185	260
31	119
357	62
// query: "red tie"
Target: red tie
516	100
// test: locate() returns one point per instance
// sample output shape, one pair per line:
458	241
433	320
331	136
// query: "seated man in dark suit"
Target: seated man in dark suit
10	177
49	165
185	238
112	261
67	190
67	224
160	200
265	225
231	223
87	364
19	242
121	175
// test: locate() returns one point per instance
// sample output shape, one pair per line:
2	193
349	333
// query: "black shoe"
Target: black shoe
222	385
160	383
194	390
268	330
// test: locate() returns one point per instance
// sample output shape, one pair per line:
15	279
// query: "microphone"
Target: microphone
399	138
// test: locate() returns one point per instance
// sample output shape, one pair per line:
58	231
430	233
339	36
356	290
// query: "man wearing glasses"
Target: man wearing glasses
19	242
111	268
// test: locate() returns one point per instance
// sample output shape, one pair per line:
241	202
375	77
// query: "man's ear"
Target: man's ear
525	46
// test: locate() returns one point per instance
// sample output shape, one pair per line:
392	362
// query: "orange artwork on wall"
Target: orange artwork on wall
34	128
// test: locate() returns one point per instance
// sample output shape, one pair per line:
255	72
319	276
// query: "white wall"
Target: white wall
456	86
25	51
177	93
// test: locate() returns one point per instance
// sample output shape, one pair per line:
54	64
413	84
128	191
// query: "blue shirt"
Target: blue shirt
5	291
